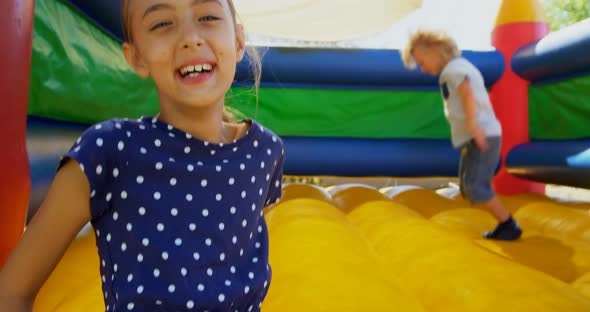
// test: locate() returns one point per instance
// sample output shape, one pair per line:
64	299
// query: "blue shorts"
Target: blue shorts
477	170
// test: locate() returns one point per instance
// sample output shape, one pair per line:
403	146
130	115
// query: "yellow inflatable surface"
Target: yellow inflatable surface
353	248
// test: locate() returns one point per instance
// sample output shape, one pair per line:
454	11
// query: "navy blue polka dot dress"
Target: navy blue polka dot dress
179	221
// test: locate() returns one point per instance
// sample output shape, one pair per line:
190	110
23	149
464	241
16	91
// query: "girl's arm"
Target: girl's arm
469	107
59	219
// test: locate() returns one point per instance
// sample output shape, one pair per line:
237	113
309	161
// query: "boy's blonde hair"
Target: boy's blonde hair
254	56
446	46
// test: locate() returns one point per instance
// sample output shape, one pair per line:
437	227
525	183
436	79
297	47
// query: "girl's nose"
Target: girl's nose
191	37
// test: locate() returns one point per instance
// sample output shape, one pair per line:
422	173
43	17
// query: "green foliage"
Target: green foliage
562	13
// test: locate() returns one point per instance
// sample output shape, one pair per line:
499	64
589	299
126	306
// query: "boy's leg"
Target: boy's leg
479	168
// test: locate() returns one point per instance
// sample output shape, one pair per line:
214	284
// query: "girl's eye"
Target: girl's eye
208	18
160	25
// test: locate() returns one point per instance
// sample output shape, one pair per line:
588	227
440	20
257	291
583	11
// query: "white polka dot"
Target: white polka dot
268	152
139	258
253	179
156	273
262	164
210	272
244	223
257	245
159	166
221	297
218	168
218	197
99	126
212	152
190	304
242	252
160	227
143	150
130	306
267	177
192	227
222	256
128	134
227	283
232	269
158	143
221	226
187	150
208	242
246	289
255	143
183	271
129	227
204	183
77	149
234	239
248	156
235	149
92	194
99	142
251	275
260	192
178	242
103	263
139	289
115	216
190	168
253	207
115	172
189	197
277	183
205	212
201	287
199	163
123	247
109	237
196	256
254	260
232	210
169	127
124	195
171	288
158	302
129	278
157	195
165	255
243	194
99	169
274	139
120	145
231	181
173	181
141	211
174	212
242	167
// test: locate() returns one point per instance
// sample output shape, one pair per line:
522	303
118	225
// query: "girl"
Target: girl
475	130
175	200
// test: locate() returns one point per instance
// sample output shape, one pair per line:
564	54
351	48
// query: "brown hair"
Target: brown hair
439	40
254	56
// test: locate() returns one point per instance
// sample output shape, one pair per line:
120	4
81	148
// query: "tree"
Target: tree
562	13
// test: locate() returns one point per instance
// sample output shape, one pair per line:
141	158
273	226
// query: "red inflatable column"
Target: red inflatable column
16	23
519	22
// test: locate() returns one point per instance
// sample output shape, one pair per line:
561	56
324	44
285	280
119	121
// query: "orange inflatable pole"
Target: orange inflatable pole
16	23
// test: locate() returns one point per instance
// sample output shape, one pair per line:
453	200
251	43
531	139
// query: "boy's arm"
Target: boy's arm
59	219
469	107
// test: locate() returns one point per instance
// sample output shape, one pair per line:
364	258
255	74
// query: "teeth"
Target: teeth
193	74
195	69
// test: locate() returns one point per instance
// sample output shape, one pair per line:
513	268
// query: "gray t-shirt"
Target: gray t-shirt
454	73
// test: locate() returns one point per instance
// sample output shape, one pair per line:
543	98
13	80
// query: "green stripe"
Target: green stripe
560	110
79	74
